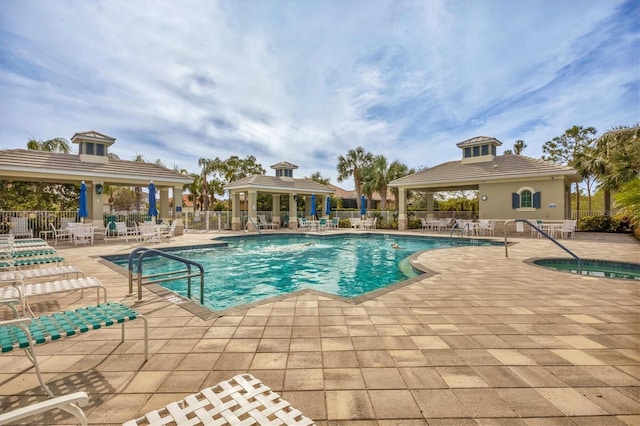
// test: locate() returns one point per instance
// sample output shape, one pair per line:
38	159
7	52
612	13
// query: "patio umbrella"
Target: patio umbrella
363	206
153	211
313	205
327	209
82	210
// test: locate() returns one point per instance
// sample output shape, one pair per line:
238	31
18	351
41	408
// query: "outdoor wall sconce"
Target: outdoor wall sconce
295	198
99	188
484	198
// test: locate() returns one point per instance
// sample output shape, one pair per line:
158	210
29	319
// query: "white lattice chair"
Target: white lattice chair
241	400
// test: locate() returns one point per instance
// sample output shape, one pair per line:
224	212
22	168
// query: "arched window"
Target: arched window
526	198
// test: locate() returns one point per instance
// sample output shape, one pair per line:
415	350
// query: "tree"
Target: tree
565	149
51	145
16	195
376	179
615	159
396	171
317	177
353	165
518	147
139	158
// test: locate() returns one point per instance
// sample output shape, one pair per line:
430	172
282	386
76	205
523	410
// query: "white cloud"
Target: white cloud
306	81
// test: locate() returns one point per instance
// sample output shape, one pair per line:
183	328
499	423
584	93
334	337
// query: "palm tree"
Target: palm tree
353	165
614	159
207	168
396	171
377	178
317	177
139	158
51	145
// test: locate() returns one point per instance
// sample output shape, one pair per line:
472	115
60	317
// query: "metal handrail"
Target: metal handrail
553	240
142	252
250	219
460	230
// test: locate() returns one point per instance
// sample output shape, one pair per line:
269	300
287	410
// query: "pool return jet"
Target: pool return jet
520	228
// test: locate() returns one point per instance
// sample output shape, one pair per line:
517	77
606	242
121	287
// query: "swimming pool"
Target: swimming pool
250	269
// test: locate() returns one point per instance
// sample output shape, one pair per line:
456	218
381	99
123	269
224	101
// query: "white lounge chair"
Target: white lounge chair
241	400
70	403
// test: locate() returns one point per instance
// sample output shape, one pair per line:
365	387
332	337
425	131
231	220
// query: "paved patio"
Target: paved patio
488	340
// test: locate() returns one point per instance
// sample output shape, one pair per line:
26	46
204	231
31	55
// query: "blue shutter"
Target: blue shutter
515	200
537	200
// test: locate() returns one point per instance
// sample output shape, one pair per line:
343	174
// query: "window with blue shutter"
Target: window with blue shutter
537	200
515	200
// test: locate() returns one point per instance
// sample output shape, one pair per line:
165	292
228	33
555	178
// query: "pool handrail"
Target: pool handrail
534	226
255	225
460	230
142	252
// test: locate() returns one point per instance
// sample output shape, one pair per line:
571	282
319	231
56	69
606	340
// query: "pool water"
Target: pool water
251	269
596	268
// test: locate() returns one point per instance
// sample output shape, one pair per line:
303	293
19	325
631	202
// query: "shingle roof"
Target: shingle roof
500	168
279	184
478	140
284	165
39	162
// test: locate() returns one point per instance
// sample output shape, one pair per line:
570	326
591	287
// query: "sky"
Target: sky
307	81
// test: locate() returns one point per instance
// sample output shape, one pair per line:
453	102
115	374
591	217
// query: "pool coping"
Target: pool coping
205	313
532	262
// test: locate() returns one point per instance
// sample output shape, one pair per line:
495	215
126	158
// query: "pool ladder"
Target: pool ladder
549	237
140	253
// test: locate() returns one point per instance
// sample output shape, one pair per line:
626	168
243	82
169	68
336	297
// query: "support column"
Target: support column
430	205
275	212
293	212
177	209
402	209
164	203
236	224
94	203
252	210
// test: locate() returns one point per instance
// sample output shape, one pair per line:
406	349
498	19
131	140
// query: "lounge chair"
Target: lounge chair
22	291
241	400
70	403
20	227
304	223
26	333
82	235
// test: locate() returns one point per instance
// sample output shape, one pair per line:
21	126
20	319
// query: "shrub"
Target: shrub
604	224
414	224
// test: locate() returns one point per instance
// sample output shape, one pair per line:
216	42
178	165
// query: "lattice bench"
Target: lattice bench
241	400
25	333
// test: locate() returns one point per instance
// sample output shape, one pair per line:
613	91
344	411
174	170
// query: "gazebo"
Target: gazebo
93	166
509	186
283	183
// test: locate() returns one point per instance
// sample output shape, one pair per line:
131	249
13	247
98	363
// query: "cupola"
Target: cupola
478	149
93	146
284	169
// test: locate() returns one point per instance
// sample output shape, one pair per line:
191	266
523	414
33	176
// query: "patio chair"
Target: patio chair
322	224
262	222
60	234
241	400
26	333
424	224
334	223
20	227
568	229
70	403
304	223
169	232
82	235
355	222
